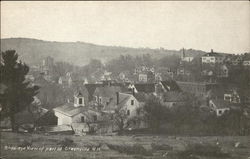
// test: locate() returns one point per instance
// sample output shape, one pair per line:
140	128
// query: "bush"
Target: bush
66	143
25	143
135	149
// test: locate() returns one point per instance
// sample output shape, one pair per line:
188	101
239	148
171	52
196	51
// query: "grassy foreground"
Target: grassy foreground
27	146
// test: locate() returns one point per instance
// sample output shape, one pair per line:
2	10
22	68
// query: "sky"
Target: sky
223	26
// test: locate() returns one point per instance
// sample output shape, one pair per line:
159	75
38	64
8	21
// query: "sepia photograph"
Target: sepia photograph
125	80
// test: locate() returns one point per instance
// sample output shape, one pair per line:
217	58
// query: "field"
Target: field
133	146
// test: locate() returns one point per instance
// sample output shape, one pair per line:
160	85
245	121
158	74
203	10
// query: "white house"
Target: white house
246	63
142	77
212	58
75	112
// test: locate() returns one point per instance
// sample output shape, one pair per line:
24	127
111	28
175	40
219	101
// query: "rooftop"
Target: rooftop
68	109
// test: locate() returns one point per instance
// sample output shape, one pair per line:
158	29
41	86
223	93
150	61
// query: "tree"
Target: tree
120	118
18	94
155	112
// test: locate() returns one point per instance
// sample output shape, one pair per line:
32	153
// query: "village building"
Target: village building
197	88
246	60
212	58
142	77
123	101
148	88
173	98
103	95
232	96
220	106
76	112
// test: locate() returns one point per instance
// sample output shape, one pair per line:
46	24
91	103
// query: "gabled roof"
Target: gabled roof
220	103
146	88
123	98
79	94
170	85
212	54
91	89
68	109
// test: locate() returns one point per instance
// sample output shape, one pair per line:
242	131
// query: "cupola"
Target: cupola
78	99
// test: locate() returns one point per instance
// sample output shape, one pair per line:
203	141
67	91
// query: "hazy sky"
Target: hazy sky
223	26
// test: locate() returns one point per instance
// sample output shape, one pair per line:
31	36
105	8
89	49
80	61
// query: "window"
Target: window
220	112
95	117
82	119
132	102
80	100
100	99
128	112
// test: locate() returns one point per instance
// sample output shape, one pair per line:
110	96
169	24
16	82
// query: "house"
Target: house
220	106
170	85
142	77
76	112
123	101
246	61
141	69
212	58
148	88
91	89
232	96
67	80
103	95
173	98
197	88
163	73
124	75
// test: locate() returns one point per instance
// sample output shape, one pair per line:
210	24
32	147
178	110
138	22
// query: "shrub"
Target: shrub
66	143
25	143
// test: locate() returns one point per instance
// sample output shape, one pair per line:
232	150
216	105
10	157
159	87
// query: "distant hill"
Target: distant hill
32	51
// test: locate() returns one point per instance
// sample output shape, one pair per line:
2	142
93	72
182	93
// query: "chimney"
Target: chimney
212	50
117	97
133	91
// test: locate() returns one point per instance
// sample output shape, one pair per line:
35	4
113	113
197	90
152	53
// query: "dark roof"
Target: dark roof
141	97
212	54
170	85
79	94
146	88
107	91
91	89
220	103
